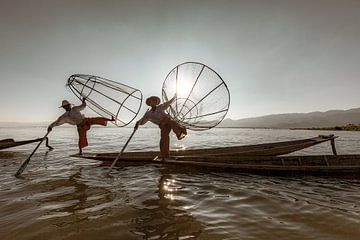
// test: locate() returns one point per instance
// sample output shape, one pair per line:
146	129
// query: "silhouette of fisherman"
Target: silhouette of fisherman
73	116
158	116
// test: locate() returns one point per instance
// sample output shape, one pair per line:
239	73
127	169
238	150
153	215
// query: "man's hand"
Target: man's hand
173	98
83	100
49	129
168	103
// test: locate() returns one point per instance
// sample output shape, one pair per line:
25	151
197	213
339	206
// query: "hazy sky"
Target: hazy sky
275	55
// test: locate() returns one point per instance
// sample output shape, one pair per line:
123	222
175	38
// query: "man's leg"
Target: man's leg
179	130
165	140
98	121
85	126
82	137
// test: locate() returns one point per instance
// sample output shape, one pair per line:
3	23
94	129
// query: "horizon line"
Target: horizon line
270	114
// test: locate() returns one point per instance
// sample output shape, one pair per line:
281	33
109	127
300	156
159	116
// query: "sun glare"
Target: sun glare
183	89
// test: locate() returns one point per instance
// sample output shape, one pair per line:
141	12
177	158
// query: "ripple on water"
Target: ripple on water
68	198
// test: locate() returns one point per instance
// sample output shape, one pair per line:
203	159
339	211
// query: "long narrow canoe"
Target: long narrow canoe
236	160
265	149
9	143
344	165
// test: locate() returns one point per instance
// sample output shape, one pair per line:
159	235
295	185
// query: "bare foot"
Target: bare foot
181	136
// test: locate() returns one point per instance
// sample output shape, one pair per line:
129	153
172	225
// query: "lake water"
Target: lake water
59	197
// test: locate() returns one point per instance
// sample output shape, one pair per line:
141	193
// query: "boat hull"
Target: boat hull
265	158
10	143
339	165
265	149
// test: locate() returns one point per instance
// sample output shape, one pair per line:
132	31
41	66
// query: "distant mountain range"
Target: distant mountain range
330	118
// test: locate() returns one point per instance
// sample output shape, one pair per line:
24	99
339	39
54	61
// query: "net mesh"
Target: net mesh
107	98
202	99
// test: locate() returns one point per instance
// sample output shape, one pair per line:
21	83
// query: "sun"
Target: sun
183	89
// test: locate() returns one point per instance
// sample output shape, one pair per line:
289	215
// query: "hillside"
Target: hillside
330	118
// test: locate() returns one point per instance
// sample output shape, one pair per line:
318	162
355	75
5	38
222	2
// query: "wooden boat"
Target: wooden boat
265	149
9	143
333	165
241	161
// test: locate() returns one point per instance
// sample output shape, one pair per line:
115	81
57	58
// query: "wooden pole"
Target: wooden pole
332	141
122	150
25	163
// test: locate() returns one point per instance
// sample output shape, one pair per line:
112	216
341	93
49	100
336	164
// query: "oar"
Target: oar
25	163
122	150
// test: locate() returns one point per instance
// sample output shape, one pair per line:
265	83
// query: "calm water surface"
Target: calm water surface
70	198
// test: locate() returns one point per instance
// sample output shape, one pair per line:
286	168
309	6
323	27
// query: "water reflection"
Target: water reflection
66	198
7	155
165	217
73	196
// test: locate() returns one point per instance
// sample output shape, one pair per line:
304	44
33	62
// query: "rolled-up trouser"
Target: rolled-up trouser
166	125
85	125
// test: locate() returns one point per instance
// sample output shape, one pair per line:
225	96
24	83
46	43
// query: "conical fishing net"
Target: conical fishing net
203	98
107	98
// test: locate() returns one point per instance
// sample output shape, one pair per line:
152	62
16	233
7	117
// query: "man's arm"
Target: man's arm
141	121
82	106
58	122
168	103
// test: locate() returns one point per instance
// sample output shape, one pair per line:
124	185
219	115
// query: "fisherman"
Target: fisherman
158	116
73	116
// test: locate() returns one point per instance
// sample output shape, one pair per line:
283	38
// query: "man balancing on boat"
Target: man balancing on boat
73	116
158	116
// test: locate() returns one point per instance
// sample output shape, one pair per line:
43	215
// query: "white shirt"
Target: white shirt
154	116
72	117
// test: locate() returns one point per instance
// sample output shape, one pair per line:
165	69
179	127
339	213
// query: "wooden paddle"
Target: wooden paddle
25	163
122	150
